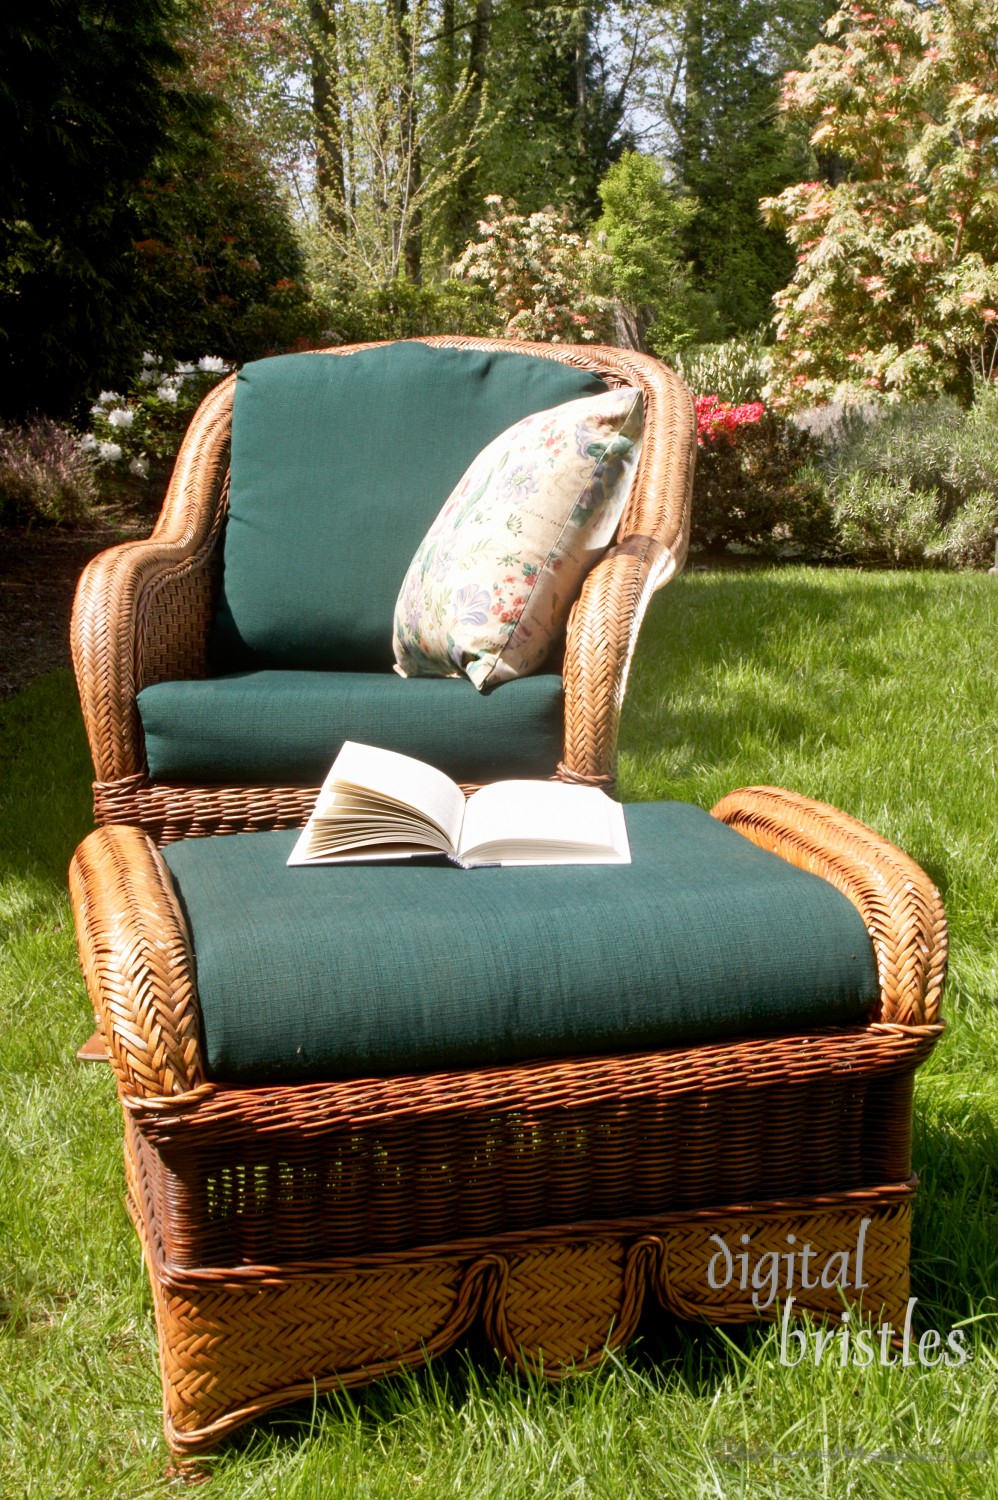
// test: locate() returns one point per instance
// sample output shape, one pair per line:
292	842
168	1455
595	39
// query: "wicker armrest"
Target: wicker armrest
136	957
651	549
901	907
142	610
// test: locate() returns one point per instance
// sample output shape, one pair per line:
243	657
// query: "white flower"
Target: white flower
139	466
88	442
183	370
150	359
108	398
121	417
167	393
148	377
212	364
109	452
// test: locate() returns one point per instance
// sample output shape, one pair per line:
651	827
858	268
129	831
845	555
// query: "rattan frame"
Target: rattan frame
301	1239
143	609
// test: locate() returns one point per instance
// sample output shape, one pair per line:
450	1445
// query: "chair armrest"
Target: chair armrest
142	610
136	956
901	907
651	548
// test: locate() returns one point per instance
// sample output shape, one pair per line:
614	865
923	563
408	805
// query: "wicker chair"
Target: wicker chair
305	1237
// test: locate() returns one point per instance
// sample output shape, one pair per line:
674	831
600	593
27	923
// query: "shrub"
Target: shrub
642	226
732	371
46	474
756	488
541	274
402	310
917	482
879	520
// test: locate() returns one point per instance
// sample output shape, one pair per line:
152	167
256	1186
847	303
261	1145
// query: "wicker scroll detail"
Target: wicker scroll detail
901	907
552	1302
137	960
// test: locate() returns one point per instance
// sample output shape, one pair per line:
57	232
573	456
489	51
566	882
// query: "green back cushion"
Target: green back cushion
267	728
339	464
358	970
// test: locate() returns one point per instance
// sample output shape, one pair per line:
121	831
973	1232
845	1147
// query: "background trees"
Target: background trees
230	176
896	285
89	94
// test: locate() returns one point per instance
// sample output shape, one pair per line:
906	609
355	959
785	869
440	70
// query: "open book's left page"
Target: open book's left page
383	802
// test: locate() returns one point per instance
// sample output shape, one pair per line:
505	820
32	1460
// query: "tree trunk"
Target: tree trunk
329	180
465	206
411	227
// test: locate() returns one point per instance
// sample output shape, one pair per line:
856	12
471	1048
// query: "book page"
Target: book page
398	780
543	822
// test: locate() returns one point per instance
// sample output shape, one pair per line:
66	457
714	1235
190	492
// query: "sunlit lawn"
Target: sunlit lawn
876	692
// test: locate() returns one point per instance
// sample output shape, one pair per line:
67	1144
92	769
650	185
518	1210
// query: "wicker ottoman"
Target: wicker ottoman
339	1220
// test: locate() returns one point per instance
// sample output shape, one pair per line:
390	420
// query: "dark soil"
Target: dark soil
39	569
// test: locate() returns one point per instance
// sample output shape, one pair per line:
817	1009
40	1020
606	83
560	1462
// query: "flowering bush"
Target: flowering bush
46	473
542	275
753	490
716	418
150	421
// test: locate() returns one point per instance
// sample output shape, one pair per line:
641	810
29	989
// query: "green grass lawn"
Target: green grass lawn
877	692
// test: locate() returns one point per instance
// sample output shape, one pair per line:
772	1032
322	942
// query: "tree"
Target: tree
642	227
896	287
387	150
711	76
555	109
87	95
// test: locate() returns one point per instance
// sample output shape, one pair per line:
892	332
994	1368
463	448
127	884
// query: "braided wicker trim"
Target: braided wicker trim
551	1301
901	907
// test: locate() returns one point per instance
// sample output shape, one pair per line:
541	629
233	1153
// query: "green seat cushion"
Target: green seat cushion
339	464
286	728
359	970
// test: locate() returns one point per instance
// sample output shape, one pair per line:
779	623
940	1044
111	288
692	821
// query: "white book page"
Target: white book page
397	780
543	822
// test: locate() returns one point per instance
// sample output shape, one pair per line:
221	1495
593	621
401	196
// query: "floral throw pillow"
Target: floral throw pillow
491	584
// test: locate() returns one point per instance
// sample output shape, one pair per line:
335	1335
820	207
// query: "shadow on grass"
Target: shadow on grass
45	800
954	1244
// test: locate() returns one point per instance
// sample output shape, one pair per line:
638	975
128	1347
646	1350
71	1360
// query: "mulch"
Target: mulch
39	569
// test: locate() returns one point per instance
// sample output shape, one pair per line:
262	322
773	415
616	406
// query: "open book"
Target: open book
377	804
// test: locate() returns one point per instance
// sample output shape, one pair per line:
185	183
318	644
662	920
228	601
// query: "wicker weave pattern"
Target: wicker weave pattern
329	1233
901	907
143	609
549	1302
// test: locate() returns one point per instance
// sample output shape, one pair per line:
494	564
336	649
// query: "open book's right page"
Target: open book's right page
543	822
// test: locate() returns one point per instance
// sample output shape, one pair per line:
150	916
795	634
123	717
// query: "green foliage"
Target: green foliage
389	147
358	314
219	263
46	473
552	119
641	229
543	277
896	287
917	483
708	72
84	111
883	521
733	371
752	491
